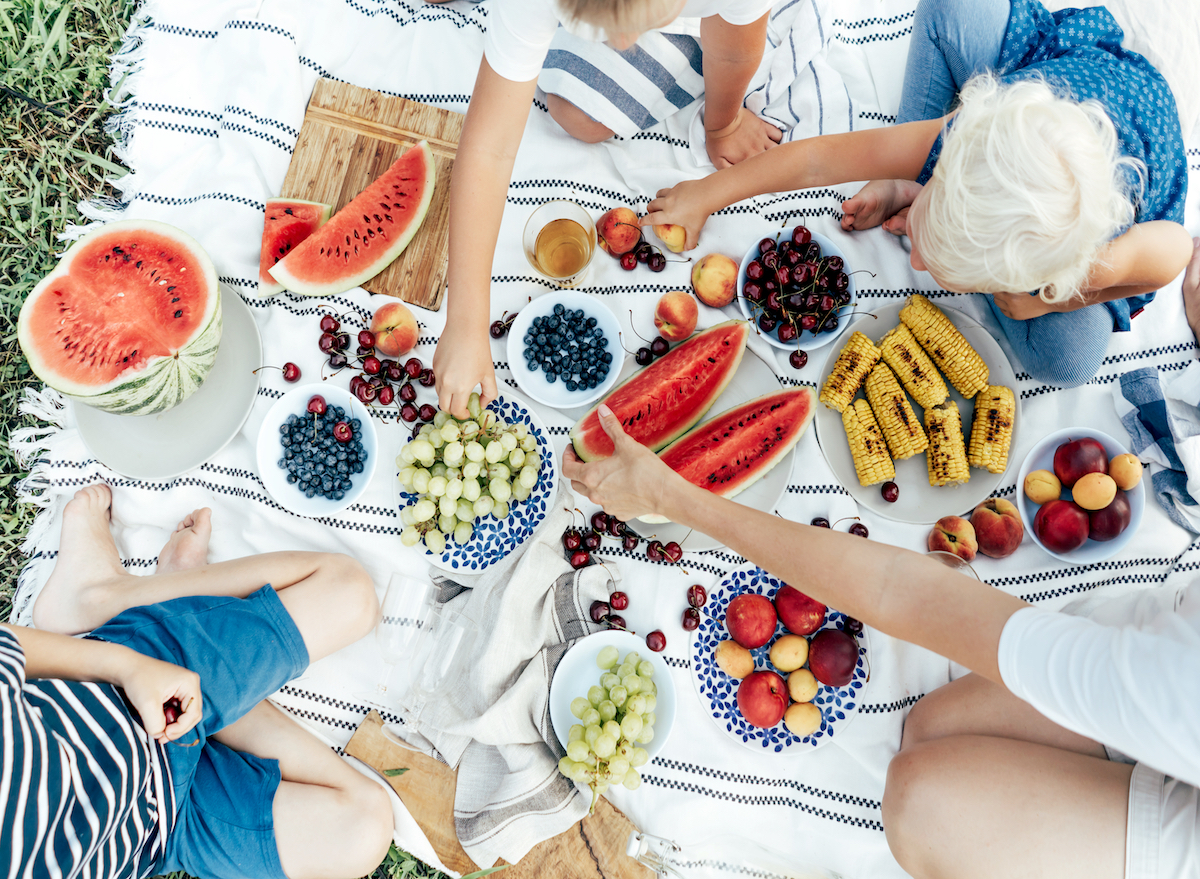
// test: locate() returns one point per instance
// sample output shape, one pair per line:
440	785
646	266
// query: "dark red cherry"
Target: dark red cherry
172	708
643	357
409	412
753	291
831	324
371	365
386	395
498	330
793	259
808	322
362	351
342	432
853	626
630	541
835	263
859	529
592	541
766	323
754	270
329	324
659	346
643	252
413	367
788	332
343	341
580	558
366	392
572	539
599	611
316	404
408	393
827	303
629	261
427	379
890	492
618	600
691	619
327	342
337	359
291	372
766	246
798	359
427	412
355	381
819	522
366	338
770	260
615	526
697	595
656	641
801	235
783	276
657	262
618	623
673	551
773	303
599	521
654	551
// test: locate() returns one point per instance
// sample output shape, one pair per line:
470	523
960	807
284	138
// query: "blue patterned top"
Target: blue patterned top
1079	51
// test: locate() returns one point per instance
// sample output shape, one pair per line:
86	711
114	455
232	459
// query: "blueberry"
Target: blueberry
591	322
310	492
571	385
319	468
551	377
342	467
605	357
541	339
338	495
559	308
356	467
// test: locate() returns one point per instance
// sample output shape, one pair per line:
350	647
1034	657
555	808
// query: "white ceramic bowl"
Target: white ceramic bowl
534	383
1041	457
807	340
269	450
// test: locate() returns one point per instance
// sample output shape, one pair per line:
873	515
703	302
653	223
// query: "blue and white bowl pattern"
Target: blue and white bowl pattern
718	691
495	539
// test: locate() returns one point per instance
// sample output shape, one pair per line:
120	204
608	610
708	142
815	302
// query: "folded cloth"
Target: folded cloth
1163	421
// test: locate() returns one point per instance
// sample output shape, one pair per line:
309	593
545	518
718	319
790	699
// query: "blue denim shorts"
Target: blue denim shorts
244	649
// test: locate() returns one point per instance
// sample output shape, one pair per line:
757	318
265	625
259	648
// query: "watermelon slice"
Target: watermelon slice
663	401
286	223
129	321
365	236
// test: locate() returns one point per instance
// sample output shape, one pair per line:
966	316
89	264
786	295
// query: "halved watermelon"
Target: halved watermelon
365	236
663	401
286	222
129	321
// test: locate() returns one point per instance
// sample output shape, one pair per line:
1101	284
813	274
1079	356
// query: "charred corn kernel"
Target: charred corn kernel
852	365
903	432
947	455
950	350
913	367
992	429
872	462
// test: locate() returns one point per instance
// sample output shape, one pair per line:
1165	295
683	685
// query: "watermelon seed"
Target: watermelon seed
138	264
174	299
388	217
171	289
179	313
288	211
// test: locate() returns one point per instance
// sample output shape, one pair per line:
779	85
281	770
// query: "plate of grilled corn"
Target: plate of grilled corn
921	396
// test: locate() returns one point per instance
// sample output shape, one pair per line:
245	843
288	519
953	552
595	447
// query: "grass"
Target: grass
54	59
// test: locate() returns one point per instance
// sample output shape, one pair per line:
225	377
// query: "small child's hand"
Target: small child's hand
747	136
151	684
463	359
681	205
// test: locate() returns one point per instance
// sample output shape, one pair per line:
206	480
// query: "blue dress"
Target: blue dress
1078	52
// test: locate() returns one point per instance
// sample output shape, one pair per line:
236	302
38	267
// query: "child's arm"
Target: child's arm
148	683
478	188
732	54
898	152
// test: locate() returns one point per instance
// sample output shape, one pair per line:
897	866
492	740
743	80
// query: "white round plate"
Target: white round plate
168	443
718	691
577	671
494	539
1041	457
919	503
808	340
269	450
534	383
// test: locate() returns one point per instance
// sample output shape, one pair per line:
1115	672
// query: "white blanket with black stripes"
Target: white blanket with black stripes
212	97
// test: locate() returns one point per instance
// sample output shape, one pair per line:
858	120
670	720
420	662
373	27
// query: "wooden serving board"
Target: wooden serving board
350	136
592	849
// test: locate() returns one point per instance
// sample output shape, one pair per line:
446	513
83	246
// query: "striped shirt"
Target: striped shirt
83	790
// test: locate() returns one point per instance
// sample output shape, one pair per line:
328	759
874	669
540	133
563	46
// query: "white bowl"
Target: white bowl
807	340
534	383
269	450
1041	457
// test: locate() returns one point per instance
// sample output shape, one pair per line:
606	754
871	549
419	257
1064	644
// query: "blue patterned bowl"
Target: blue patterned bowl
718	691
494	539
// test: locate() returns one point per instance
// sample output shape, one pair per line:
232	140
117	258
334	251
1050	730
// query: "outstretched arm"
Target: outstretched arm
732	54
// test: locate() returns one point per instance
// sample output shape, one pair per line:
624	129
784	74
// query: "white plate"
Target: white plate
808	340
534	383
1041	457
495	539
168	443
919	503
577	671
269	450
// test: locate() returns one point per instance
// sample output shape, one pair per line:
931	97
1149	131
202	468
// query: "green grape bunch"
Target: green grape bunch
615	717
461	471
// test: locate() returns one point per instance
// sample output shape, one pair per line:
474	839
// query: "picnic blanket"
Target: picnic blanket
211	99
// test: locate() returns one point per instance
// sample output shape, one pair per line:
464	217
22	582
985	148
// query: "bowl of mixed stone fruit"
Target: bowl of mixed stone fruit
317	450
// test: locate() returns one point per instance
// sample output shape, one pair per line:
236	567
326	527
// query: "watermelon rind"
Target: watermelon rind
713	439
654	383
164	381
267	285
307	270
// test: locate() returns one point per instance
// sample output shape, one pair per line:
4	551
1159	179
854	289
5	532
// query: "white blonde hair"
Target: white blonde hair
615	16
1027	190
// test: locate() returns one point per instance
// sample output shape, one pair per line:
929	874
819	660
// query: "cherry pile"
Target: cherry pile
581	543
378	380
793	289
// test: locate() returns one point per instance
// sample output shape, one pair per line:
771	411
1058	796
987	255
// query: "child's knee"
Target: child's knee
369	811
575	122
357	602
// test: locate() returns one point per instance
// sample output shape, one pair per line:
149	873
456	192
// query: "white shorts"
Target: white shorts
1162	837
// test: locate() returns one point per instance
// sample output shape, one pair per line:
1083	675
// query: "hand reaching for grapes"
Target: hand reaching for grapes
627	484
463	359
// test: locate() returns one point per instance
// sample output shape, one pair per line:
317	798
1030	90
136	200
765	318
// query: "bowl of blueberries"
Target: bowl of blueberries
564	349
317	450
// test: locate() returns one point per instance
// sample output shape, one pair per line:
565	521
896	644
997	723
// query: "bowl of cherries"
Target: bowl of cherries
795	289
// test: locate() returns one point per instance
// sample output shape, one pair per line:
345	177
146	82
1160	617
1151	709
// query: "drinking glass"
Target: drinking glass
559	242
446	650
950	560
406	611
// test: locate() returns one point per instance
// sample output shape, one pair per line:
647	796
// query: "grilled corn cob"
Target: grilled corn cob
913	367
951	352
851	367
903	432
947	456
992	429
871	460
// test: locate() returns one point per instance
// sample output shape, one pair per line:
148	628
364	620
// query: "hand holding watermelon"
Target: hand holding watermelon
627	484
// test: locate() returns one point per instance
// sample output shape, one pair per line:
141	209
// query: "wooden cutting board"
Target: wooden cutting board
592	849
350	136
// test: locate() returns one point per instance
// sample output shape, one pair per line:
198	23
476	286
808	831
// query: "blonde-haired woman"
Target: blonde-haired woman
1056	183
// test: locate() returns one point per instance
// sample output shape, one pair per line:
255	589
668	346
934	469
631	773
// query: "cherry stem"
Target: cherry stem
846	519
266	366
635	332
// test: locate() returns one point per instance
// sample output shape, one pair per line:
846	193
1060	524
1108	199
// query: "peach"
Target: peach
762	698
676	315
955	535
1126	471
800	614
618	232
802	685
789	652
1042	486
751	620
673	237
395	329
733	659
802	719
1094	491
714	278
998	528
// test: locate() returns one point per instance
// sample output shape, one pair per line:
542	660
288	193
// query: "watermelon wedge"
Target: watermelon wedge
286	223
663	401
129	321
365	236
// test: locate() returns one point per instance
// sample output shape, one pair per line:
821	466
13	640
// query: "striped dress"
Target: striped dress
83	791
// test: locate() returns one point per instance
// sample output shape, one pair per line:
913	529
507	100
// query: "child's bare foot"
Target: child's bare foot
188	547
1191	290
87	564
880	202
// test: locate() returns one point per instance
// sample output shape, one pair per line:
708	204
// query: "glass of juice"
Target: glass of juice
559	242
